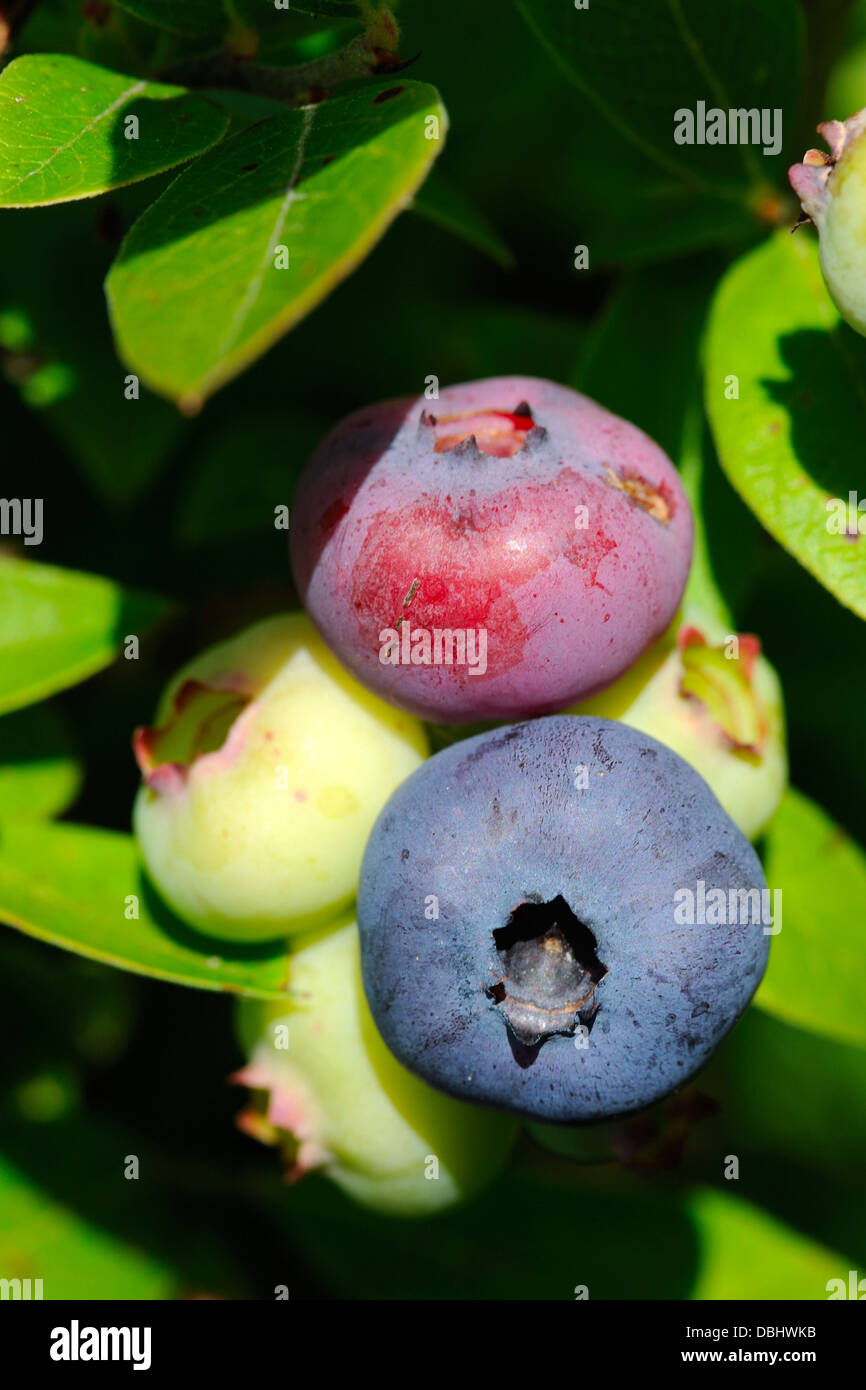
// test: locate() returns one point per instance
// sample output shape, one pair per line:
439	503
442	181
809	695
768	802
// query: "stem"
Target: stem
241	41
297	86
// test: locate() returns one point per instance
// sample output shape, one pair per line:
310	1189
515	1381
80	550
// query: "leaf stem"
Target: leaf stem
307	82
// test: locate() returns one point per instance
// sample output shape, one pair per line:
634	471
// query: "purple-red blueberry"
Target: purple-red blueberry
503	550
559	920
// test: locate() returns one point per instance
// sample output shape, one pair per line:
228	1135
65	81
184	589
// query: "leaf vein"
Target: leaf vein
86	130
244	309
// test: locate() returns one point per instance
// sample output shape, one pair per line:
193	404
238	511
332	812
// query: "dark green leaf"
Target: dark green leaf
633	68
74	1015
39	772
642	64
223	501
59	355
442	203
706	1244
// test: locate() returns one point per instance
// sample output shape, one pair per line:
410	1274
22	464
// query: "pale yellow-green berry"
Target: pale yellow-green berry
718	703
328	1092
832	190
262	779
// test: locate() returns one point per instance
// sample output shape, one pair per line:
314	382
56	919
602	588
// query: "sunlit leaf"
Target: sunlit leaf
256	233
816	978
83	889
746	1253
59	626
786	395
65	131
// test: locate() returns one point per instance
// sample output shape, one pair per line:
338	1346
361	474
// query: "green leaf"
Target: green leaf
771	1078
478	1255
816	978
200	288
794	1103
63	129
43	1238
39	772
791	442
440	202
72	885
706	1244
642	195
746	1253
94	413
57	627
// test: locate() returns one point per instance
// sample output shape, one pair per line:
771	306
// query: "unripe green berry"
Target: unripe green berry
262	778
328	1092
832	190
718	704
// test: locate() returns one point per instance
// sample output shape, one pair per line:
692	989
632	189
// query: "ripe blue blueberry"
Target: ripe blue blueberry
559	920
